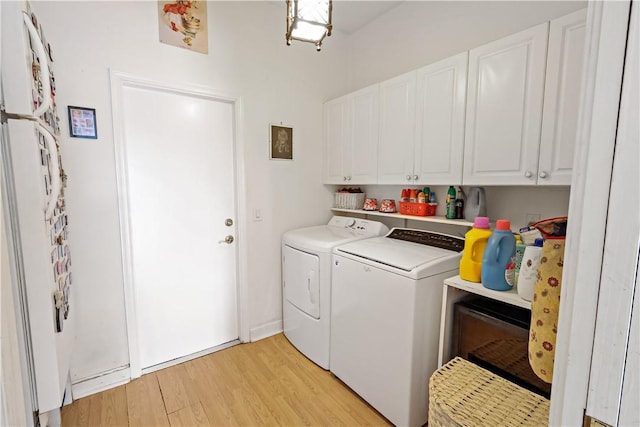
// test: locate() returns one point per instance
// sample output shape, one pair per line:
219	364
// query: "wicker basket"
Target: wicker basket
348	200
463	394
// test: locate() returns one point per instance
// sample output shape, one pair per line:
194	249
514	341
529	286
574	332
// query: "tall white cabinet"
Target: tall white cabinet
504	109
561	98
440	112
351	138
397	130
337	153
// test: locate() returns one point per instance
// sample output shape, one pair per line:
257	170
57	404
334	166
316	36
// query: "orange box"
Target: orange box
418	209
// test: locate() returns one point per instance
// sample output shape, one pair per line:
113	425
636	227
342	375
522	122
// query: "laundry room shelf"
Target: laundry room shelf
509	297
438	219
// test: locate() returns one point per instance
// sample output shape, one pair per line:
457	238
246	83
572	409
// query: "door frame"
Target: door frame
605	44
119	81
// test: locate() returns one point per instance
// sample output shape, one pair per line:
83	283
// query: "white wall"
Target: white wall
247	58
417	33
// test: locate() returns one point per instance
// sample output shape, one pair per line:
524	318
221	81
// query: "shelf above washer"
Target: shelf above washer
437	219
509	297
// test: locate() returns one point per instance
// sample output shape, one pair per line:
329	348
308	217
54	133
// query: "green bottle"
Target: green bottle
427	194
451	203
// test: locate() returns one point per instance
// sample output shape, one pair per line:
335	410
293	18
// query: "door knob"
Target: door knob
415	177
228	222
542	174
408	177
228	240
528	174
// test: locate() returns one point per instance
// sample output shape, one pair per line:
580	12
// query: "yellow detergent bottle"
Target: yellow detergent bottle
474	243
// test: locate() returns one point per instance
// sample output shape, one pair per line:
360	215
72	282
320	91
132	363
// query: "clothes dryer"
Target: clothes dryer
306	281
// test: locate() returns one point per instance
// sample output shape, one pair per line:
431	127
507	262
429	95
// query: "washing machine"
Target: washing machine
386	300
306	281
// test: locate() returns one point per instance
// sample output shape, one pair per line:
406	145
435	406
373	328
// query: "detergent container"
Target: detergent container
475	241
501	246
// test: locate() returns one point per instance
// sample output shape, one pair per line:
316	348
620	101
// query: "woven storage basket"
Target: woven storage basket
348	200
463	394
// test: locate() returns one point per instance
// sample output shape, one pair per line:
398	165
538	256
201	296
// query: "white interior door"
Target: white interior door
179	167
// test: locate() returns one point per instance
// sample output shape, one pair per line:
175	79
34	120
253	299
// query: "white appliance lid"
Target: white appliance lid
326	237
401	254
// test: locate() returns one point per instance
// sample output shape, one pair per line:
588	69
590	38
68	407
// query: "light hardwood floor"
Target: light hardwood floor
263	383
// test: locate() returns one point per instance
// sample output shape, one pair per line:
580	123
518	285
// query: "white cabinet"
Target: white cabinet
397	129
364	135
422	125
561	98
351	138
510	120
504	109
522	113
440	110
336	144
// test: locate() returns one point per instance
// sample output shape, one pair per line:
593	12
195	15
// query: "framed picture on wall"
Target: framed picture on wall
281	143
82	122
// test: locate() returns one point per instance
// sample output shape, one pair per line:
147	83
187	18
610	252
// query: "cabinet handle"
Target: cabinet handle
415	177
348	178
528	174
408	177
542	174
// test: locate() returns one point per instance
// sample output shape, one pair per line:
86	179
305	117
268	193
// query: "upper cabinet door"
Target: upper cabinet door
440	112
364	135
397	129
561	98
336	141
504	109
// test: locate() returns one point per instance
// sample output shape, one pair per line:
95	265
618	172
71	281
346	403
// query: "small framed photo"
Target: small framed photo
82	122
281	142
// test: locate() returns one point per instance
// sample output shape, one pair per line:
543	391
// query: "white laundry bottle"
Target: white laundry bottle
529	270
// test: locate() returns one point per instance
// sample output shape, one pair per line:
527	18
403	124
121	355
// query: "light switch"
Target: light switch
257	214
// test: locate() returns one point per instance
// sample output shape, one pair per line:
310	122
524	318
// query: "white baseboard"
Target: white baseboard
266	330
102	382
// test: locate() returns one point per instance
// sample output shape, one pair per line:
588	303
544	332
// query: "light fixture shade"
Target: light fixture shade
308	21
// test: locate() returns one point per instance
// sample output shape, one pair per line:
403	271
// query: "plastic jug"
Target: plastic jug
476	204
497	255
529	270
475	241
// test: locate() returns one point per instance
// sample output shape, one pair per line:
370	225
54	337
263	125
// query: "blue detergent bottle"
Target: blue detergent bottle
501	246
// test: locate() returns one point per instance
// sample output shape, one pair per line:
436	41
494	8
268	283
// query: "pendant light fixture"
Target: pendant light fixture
309	21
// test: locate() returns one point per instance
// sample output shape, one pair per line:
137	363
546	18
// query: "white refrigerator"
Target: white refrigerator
35	215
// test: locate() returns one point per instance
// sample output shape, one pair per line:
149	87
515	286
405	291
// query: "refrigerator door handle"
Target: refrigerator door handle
56	182
44	66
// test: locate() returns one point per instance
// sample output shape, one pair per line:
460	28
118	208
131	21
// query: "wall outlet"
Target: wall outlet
531	218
